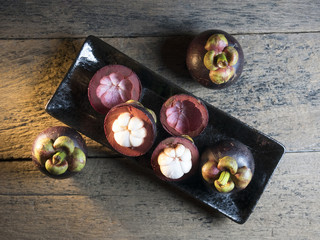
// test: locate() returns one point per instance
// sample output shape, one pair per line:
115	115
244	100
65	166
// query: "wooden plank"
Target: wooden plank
112	199
45	19
27	83
278	92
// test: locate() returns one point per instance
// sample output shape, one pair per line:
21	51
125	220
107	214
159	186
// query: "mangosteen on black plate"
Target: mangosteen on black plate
175	159
215	59
227	166
183	114
130	128
59	151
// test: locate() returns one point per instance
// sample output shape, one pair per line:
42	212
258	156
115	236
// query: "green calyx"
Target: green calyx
57	165
60	155
220	59
243	177
77	160
43	150
216	42
209	61
64	143
229	164
231	176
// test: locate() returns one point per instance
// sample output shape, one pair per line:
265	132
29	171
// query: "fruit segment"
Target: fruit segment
175	159
129	131
175	162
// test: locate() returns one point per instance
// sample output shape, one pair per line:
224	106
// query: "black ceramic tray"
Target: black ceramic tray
70	105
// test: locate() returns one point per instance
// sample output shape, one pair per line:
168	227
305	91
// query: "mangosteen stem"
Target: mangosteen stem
222	61
224	178
58	157
224	183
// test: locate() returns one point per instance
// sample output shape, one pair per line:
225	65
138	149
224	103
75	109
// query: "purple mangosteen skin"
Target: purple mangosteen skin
53	133
196	53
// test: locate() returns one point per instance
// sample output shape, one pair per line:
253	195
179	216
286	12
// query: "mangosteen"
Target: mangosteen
215	59
130	128
112	85
227	166
184	114
59	151
175	159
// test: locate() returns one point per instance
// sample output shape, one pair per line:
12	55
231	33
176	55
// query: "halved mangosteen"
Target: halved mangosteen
184	114
130	128
112	85
227	166
215	59
59	151
175	159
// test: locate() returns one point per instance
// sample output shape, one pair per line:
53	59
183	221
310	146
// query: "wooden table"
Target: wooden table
278	94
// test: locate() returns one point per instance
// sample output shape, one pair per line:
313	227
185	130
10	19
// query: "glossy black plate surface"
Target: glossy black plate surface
70	105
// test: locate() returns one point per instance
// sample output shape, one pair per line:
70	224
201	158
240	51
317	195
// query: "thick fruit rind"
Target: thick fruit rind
184	114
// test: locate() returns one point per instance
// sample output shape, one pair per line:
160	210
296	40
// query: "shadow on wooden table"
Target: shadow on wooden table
124	189
174	53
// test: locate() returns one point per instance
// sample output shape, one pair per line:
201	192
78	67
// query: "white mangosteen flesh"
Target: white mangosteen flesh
129	131
175	161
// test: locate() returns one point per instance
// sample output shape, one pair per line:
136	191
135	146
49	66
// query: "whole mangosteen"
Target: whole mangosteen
59	151
227	166
215	59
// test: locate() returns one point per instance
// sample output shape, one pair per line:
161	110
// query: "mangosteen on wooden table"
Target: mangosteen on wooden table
227	166
183	114
59	151
175	159
215	59
130	128
112	85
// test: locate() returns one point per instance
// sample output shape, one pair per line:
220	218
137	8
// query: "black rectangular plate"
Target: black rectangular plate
70	105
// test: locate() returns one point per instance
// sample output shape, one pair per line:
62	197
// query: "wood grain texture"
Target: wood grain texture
30	73
113	199
280	97
62	18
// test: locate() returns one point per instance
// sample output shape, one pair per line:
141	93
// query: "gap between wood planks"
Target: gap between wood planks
153	36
